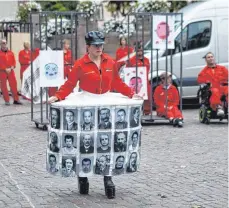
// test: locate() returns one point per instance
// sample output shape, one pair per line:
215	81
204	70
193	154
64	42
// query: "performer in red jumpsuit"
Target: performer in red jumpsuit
24	58
7	66
123	50
140	60
170	110
96	73
216	75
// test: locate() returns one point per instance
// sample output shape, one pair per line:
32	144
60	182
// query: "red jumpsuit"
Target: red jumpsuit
91	80
172	102
67	70
132	63
7	60
122	52
216	76
24	60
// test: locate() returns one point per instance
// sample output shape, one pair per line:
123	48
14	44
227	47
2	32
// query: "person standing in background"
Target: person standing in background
7	66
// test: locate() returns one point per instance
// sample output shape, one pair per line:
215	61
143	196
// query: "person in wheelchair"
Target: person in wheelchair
216	76
169	111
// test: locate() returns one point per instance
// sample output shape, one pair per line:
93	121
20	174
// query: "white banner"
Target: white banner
159	32
51	68
136	80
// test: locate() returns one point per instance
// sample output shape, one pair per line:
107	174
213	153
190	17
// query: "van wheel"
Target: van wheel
202	114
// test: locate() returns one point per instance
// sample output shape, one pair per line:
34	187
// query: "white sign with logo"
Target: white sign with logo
163	30
51	68
137	81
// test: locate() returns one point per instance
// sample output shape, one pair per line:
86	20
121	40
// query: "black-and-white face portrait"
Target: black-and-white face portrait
102	164
70	119
86	143
54	142
135	117
120	141
87	119
69	144
103	142
121	118
104	118
134	141
52	163
86	165
132	162
68	166
55	118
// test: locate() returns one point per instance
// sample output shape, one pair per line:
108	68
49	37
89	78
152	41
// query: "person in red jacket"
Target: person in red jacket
96	73
124	49
170	109
216	75
7	66
24	58
140	60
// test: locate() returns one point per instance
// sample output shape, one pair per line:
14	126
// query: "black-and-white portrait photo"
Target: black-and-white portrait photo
86	165
103	142
52	163
121	118
119	164
54	142
135	117
134	140
104	118
132	162
69	144
120	141
102	164
55	118
86	143
87	119
70	119
68	166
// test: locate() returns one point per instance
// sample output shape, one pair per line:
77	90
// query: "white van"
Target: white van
205	28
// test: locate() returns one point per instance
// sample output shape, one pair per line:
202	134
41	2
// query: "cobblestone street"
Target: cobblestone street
180	168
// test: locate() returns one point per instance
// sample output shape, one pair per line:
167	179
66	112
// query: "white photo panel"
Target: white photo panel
121	117
87	119
68	166
54	141
52	162
119	164
134	140
86	166
104	142
102	166
70	119
105	118
69	144
87	143
135	116
120	141
133	161
55	118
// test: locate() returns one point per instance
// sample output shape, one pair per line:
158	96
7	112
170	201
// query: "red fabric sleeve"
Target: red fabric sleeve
118	85
176	98
70	84
225	74
202	77
13	61
21	58
158	102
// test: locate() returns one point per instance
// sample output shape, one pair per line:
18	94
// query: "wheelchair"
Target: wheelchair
206	113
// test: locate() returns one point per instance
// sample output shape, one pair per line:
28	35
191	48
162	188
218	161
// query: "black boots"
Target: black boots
83	185
177	122
109	187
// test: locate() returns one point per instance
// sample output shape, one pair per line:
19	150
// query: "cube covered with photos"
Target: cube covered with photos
89	138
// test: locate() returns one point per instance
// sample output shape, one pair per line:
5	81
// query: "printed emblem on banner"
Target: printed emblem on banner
51	71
